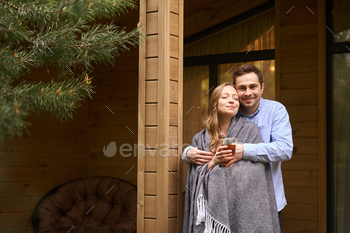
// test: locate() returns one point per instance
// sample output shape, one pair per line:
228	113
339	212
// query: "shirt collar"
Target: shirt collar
255	113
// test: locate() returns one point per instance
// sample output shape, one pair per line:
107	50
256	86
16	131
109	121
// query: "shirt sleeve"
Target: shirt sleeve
194	143
279	148
184	157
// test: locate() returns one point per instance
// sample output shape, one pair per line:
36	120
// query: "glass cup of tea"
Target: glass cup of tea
231	145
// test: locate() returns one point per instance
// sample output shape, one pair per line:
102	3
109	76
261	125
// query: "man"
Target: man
273	121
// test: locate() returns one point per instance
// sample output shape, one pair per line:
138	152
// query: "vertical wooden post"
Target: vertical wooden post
322	121
277	51
180	114
160	111
141	126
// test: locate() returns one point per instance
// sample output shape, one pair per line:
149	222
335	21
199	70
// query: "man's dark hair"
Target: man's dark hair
246	69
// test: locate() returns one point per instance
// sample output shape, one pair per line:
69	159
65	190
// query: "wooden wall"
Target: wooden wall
160	117
300	72
56	151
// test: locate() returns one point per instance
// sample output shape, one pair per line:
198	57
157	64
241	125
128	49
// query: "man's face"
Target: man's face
249	92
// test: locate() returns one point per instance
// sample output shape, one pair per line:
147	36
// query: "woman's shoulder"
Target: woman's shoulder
198	137
200	133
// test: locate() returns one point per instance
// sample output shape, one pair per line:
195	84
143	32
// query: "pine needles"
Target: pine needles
59	34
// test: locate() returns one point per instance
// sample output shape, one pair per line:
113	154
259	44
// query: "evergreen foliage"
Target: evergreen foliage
55	34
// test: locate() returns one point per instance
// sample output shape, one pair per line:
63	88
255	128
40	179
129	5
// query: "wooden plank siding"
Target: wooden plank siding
301	80
160	105
55	151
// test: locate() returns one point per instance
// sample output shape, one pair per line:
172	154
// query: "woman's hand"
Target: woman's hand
222	156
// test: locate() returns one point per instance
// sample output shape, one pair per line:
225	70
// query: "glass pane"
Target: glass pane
195	103
196	99
258	31
341	145
267	68
341	20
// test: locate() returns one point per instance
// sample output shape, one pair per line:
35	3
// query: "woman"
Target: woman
239	198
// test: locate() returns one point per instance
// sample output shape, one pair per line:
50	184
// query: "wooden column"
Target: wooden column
160	111
301	78
322	113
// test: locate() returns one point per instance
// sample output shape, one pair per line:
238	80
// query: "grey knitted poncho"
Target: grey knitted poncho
237	199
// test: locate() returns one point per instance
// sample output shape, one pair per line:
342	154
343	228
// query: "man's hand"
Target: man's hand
198	157
238	154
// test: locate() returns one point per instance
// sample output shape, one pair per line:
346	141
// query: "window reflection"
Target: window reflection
341	20
341	146
257	31
196	99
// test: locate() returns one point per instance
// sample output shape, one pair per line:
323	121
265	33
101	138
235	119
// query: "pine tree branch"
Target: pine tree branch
59	98
55	33
28	9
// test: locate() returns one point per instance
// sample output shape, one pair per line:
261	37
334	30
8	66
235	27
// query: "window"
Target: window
338	112
209	57
247	38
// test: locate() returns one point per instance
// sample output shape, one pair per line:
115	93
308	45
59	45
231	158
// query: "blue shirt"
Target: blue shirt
272	120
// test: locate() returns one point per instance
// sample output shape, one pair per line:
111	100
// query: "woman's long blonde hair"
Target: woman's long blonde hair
211	117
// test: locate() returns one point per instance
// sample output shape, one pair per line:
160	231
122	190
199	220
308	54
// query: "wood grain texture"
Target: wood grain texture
305	146
299	64
27	188
307	80
163	99
176	73
278	48
299	16
302	195
151	183
151	160
305	212
304	113
142	122
304	129
295	178
152	67
297	48
151	116
27	229
301	162
151	210
151	91
15	220
35	174
297	4
18	204
151	46
151	6
299	32
217	14
299	226
299	97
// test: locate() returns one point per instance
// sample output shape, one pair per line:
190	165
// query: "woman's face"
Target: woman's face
228	103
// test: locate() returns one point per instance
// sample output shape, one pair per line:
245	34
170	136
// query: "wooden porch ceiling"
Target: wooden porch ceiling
203	14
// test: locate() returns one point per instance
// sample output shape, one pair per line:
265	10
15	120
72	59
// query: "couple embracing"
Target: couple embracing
247	196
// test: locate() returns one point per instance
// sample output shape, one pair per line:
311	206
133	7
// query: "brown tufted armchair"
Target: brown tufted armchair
93	204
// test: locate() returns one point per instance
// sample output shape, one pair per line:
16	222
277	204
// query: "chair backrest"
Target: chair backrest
92	202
